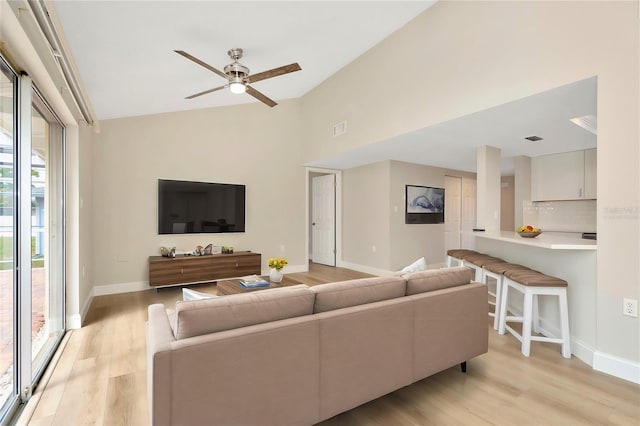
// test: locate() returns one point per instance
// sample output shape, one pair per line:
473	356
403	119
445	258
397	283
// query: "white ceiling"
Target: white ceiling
453	144
124	49
124	53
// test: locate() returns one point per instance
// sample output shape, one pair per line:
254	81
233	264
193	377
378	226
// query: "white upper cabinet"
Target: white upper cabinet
566	176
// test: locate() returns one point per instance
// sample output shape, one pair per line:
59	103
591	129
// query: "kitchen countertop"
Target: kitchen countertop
548	241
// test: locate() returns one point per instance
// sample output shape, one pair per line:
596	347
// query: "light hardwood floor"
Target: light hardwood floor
100	379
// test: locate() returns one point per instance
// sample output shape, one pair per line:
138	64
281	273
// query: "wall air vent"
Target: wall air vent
533	138
340	128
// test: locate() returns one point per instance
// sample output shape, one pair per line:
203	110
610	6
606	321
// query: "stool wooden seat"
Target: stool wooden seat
496	270
455	255
477	262
533	284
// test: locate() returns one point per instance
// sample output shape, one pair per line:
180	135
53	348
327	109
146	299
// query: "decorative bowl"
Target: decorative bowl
529	234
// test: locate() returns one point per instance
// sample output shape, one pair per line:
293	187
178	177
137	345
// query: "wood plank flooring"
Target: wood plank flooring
100	379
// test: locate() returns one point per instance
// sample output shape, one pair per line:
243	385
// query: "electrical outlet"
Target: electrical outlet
630	307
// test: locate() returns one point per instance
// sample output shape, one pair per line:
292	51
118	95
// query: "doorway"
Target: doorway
460	212
323	222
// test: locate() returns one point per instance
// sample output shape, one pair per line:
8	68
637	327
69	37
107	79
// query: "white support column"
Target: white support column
522	187
488	190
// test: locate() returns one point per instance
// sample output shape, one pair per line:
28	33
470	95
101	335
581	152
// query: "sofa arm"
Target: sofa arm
159	340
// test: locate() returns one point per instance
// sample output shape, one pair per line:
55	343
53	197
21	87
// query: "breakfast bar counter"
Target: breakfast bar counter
548	241
565	256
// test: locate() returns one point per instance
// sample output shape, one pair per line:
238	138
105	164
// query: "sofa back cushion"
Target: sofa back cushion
436	279
200	317
343	294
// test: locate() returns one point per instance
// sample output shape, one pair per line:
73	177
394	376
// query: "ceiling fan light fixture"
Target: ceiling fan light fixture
237	87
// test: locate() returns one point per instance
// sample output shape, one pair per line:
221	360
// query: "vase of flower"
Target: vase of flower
276	264
275	276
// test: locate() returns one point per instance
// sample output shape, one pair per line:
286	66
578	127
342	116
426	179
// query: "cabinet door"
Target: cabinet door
558	176
590	168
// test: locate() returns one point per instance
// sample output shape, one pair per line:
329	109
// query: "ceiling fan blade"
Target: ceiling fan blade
199	62
205	92
259	96
274	72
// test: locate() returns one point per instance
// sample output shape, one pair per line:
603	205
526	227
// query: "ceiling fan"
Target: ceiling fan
239	79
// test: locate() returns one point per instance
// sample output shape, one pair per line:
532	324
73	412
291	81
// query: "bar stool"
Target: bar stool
533	284
496	271
477	262
455	255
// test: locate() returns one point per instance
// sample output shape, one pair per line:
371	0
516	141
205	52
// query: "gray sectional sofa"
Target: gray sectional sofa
299	355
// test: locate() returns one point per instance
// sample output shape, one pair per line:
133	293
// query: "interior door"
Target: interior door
323	220
453	212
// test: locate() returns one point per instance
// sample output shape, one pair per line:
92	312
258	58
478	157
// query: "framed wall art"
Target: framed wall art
425	204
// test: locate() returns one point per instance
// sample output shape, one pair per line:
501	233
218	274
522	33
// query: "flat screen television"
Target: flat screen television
199	207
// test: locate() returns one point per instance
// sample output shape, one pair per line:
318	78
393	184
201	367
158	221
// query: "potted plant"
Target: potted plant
276	264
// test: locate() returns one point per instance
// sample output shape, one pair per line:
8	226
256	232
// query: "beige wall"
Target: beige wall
85	207
462	57
374	215
412	241
365	216
249	144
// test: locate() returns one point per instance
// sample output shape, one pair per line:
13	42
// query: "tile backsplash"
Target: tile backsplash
562	216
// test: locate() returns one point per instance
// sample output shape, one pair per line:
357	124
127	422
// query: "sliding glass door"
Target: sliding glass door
31	237
47	238
8	294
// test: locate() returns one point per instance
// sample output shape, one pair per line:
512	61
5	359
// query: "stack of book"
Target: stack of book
252	281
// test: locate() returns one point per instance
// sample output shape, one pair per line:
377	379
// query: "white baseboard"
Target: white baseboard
599	361
619	367
102	290
86	305
366	269
289	269
74	322
579	349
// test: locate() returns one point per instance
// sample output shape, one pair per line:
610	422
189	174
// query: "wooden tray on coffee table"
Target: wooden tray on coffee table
232	286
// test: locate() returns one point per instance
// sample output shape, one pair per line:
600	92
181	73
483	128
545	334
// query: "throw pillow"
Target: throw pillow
188	295
418	265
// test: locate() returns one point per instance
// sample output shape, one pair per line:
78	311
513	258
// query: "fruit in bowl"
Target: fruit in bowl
528	231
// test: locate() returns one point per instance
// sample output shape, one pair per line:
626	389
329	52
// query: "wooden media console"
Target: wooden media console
166	271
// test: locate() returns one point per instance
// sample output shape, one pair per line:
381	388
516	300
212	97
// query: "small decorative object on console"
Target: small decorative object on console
528	231
227	250
168	251
203	251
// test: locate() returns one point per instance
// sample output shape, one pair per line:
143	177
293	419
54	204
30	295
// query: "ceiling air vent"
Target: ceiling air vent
587	122
533	138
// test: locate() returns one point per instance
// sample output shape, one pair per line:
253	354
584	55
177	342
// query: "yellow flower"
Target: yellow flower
277	263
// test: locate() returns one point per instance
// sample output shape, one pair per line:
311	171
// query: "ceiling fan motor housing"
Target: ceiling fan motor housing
236	70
